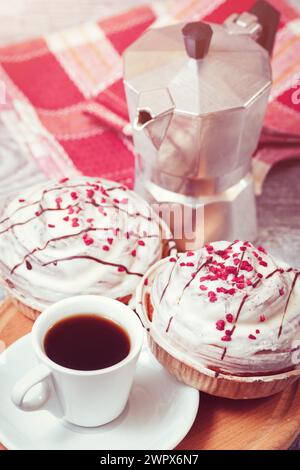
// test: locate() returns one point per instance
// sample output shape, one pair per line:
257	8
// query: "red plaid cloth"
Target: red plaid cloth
65	104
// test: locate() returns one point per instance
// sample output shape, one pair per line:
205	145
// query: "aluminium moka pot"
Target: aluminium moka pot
197	94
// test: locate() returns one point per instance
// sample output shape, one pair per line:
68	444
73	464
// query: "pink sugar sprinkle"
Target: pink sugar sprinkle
75	222
202	287
58	201
71	210
88	240
103	200
263	263
229	317
74	195
220	325
209	248
63	180
261	249
66	219
124	201
212	296
90	220
190	253
90	193
190	265
226	338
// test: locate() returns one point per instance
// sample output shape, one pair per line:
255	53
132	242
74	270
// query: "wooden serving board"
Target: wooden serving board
265	424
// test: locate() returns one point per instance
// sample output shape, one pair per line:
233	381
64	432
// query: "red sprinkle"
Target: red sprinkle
51	226
75	222
226	338
202	287
172	260
133	253
66	219
88	240
105	248
220	325
263	263
71	210
252	337
58	201
212	296
21	200
281	291
190	265
261	249
90	220
262	318
228	332
110	241
209	248
90	193
257	332
74	195
121	269
63	180
259	275
229	317
182	264
190	253
141	243
146	282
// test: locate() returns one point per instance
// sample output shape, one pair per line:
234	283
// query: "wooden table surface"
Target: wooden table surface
279	205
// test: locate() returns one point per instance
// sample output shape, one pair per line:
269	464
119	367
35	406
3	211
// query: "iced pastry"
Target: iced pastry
83	236
224	319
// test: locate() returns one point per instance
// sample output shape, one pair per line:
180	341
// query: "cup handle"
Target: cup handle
39	375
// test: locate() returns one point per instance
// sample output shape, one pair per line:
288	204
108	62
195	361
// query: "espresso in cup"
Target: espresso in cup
86	342
86	361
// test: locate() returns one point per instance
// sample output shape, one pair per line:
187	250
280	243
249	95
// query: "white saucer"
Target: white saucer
159	413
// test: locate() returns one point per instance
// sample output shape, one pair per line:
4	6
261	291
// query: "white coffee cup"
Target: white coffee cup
83	398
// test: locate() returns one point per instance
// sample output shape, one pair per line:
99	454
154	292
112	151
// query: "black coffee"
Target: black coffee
86	342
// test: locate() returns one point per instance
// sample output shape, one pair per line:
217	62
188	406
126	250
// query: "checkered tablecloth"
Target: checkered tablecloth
63	108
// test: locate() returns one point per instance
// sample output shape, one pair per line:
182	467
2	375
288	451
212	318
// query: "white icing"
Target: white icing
105	206
177	298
